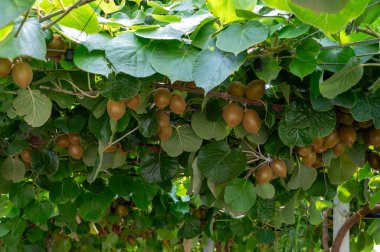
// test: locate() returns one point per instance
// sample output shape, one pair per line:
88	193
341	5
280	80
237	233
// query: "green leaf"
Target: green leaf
80	18
100	127
212	67
44	162
375	198
338	55
323	5
191	228
349	190
158	168
110	6
148	125
241	226
131	55
278	4
269	71
21	194
97	41
206	129
303	177
219	163
35	106
329	22
13	169
240	194
29	42
343	80
92	62
64	192
12	9
39	212
265	236
366	108
223	9
317	206
293	31
173	61
265	191
375	86
5	205
291	136
182	139
68	213
94	206
302	68
120	185
249	34
341	169
307	50
142	193
166	18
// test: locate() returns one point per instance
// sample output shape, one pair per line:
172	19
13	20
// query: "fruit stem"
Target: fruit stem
121	138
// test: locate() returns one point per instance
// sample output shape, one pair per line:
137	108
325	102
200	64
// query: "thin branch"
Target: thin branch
49	16
91	93
65	12
325	231
121	138
368	31
22	23
363	42
349	223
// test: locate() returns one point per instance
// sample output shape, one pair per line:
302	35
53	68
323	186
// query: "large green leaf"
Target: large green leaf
39	212
240	194
269	71
44	162
341	169
21	194
317	206
173	61
343	80
206	129
131	55
35	106
349	190
13	169
212	67
302	68
92	62
224	10
148	125
158	168
182	139
278	4
303	177
323	5
97	41
191	228
265	191
367	108
219	163
142	193
11	9
64	192
94	206
120	184
339	55
68	213
29	42
328	22
239	37
5	205
122	88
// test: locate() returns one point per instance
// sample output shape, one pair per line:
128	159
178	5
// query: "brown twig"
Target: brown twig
22	23
49	16
325	231
349	223
368	31
65	12
368	41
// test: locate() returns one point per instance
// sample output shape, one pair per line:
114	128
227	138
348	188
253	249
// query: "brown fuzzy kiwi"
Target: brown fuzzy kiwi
304	151
255	90
5	67
115	109
56	44
62	141
347	135
177	104
165	132
251	121
318	162
339	149
26	155
133	103
310	159
278	167
374	137
374	160
264	174
22	74
233	114
318	142
236	88
74	138
162	97
76	151
344	118
163	119
332	139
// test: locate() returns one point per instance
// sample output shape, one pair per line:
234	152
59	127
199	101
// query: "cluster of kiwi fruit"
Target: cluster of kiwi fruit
117	109
177	105
255	90
264	173
22	73
55	48
72	143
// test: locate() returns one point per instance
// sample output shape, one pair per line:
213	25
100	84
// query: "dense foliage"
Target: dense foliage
148	125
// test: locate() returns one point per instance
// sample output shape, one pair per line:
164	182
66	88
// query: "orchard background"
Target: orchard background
188	125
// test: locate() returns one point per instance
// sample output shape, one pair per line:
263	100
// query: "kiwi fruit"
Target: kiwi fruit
339	149
22	74
233	114
56	44
62	141
344	118
310	159
162	97
366	124
264	174
304	151
133	103
318	142
318	162
111	148
76	151
5	67
278	167
26	155
115	109
374	160
251	121
374	137
74	138
177	104
332	139
165	132
163	119
347	135
319	149
236	88
255	90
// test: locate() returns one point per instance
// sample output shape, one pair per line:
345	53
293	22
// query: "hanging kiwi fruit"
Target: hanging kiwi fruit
133	103
373	160
115	109
163	119
74	138
162	97
304	151
165	132
62	141
22	74
5	67
339	149
76	151
263	174
177	104
236	88
255	90
278	167
56	44
309	159
251	121
347	135
233	114
26	155
332	139
374	137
